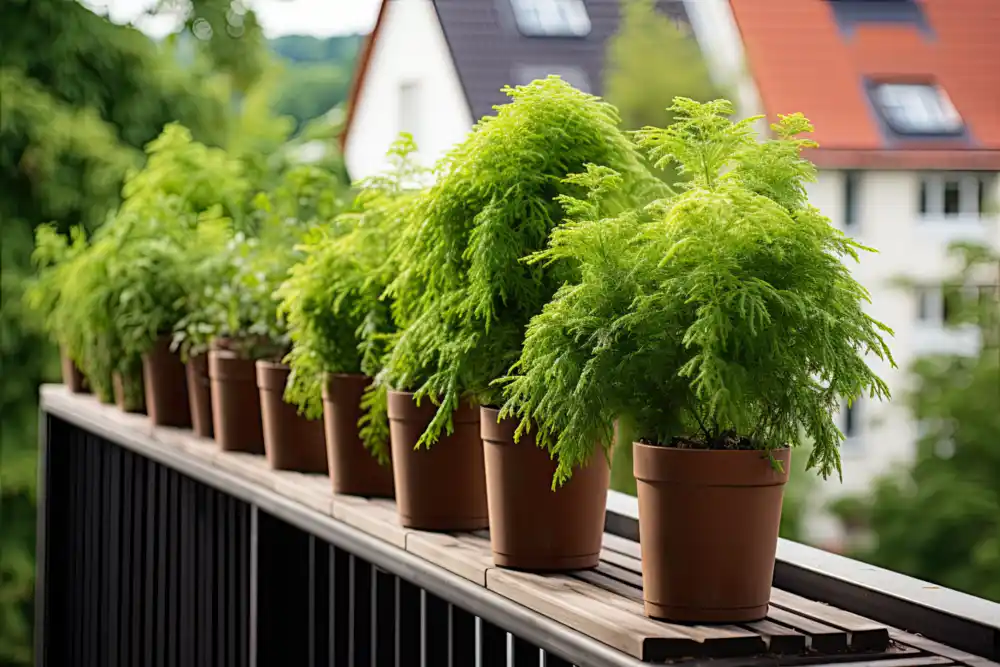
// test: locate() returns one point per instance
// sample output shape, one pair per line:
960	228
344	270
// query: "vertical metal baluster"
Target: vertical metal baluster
172	518
525	654
407	639
360	620
222	553
383	630
75	557
114	553
128	539
149	562
435	626
232	565
243	588
104	573
162	512
340	606
188	582
463	637
89	593
492	645
319	605
206	561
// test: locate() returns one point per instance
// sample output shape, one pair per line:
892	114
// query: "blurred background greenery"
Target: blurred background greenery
79	98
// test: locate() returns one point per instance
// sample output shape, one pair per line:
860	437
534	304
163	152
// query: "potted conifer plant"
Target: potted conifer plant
175	213
467	297
339	326
723	323
53	253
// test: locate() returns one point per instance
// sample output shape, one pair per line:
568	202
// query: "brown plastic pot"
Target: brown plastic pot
72	376
235	403
533	527
199	388
129	392
166	386
291	442
444	487
708	523
353	470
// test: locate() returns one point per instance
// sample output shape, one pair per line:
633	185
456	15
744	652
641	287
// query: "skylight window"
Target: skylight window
551	18
916	109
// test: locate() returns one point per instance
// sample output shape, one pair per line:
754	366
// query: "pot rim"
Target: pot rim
694	450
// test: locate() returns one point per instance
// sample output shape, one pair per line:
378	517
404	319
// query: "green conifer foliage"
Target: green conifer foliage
727	320
462	291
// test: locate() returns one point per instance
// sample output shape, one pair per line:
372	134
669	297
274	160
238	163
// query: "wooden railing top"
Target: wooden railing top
593	617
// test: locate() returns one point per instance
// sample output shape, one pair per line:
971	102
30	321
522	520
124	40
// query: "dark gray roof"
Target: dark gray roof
489	52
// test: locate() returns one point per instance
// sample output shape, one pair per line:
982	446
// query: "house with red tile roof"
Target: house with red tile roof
904	96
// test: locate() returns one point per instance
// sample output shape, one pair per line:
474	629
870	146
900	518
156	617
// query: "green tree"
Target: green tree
939	519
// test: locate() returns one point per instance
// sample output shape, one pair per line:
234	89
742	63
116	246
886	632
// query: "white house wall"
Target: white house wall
410	49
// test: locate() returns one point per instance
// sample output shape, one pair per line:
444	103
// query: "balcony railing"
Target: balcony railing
156	549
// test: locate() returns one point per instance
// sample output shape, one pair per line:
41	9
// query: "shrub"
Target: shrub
721	318
462	290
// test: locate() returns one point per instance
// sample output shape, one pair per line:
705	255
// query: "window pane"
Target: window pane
552	18
916	109
851	198
923	197
952	197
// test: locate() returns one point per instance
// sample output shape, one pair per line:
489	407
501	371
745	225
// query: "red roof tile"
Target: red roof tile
802	61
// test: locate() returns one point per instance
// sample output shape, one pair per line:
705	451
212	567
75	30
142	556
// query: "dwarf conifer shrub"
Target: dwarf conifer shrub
462	291
331	301
721	318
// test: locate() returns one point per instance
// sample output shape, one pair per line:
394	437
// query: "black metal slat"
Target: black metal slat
90	521
172	519
339	605
116	501
435	622
524	653
187	580
492	645
149	566
383	631
221	577
128	538
205	563
319	607
463	637
243	588
281	587
163	512
103	543
232	544
361	616
75	555
551	660
407	639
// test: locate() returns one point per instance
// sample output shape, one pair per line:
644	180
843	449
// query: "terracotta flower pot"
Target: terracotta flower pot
166	386
353	470
199	389
533	527
291	442
235	403
444	487
708	523
129	392
72	376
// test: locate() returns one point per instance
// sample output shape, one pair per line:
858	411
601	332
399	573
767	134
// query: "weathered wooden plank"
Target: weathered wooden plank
622	546
863	633
779	639
251	466
466	555
312	490
722	640
590	610
375	516
822	638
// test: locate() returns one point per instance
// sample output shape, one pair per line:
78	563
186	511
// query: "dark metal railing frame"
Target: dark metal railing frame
948	616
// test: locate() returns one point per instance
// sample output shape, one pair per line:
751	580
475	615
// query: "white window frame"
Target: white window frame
933	185
408	109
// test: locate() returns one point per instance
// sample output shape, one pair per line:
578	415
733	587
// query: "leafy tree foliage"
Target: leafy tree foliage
939	518
462	292
723	317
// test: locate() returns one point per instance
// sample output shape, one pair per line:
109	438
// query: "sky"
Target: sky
320	18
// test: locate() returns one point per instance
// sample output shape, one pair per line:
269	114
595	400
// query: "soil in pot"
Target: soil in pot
353	470
199	391
533	527
235	402
129	392
708	522
291	442
72	376
166	386
444	487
